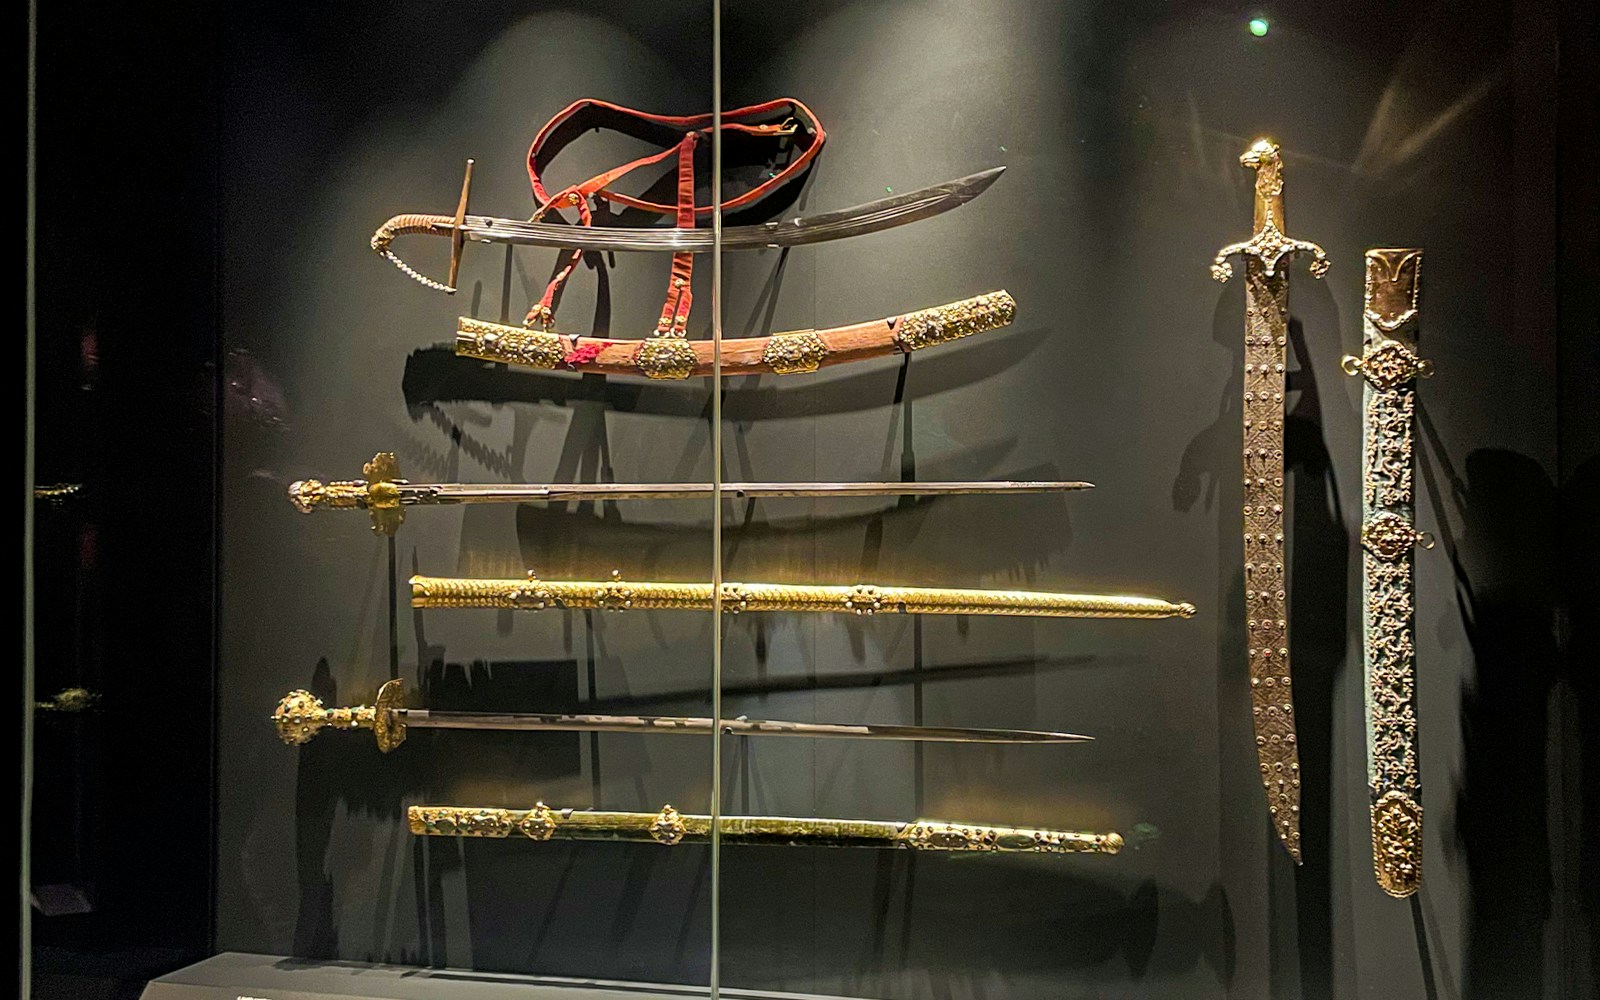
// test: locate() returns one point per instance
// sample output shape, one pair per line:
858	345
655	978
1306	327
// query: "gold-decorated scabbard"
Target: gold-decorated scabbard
669	827
616	594
796	352
1390	366
1265	579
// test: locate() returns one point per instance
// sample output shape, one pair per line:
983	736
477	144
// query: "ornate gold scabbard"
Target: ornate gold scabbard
1390	366
672	827
1266	327
674	357
385	495
300	715
534	594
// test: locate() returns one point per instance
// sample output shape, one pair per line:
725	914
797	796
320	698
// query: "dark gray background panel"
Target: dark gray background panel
1120	126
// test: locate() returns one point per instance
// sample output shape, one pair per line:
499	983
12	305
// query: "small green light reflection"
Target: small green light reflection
1259	26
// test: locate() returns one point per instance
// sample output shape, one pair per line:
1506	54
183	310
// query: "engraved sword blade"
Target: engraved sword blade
874	216
537	722
451	493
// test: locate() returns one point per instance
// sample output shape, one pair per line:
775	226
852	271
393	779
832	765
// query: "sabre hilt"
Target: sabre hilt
1268	244
301	715
434	225
379	494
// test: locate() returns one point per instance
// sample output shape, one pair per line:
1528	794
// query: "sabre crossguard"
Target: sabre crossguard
301	715
432	225
1269	244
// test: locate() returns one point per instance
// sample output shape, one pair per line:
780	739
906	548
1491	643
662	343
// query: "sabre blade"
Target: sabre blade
874	216
444	493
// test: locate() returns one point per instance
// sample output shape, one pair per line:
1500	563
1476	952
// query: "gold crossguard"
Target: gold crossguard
669	827
616	594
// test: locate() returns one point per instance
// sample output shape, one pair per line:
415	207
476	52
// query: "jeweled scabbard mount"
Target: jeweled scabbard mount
670	827
300	715
1390	366
1265	581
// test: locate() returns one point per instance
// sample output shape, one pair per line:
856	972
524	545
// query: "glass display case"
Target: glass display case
834	500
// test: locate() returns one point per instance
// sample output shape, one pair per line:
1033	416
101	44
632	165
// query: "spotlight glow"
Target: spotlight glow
1259	26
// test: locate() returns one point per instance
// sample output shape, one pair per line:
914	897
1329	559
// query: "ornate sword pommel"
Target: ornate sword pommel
301	715
308	495
379	493
430	225
1269	244
942	324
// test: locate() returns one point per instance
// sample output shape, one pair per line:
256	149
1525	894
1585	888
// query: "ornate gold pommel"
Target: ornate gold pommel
301	715
509	345
665	356
1389	536
1269	244
942	324
379	493
1388	367
1397	843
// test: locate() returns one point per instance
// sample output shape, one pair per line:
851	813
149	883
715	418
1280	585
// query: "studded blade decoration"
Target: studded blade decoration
1266	285
1388	535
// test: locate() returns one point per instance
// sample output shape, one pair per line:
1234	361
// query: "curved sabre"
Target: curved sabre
874	216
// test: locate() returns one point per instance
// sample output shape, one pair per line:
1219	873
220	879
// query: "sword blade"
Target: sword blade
453	493
535	722
874	216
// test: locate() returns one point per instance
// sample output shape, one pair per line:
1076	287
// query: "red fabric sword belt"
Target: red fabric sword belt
785	117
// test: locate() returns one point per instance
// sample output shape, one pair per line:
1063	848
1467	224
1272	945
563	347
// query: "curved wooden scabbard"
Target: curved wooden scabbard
669	357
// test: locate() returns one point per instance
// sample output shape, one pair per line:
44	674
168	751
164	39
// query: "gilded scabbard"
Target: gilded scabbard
1265	578
670	827
1390	366
795	352
616	594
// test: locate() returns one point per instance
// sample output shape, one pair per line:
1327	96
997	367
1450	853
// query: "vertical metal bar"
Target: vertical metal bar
25	867
716	496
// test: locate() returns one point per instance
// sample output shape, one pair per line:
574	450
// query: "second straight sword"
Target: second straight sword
301	715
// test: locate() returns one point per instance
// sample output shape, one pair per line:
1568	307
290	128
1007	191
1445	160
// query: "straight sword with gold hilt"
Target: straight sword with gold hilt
1390	366
385	495
670	827
1266	326
300	715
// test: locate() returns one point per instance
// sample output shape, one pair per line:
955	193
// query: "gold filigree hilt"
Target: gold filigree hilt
379	494
432	225
300	715
1269	244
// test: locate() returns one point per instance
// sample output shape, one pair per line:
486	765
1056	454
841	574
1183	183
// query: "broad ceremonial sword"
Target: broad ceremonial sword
884	213
385	495
1390	366
301	715
670	827
616	594
1266	336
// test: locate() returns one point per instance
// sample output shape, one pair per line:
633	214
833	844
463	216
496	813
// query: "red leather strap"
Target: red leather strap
680	134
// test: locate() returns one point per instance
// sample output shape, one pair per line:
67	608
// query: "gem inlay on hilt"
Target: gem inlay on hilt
301	715
380	494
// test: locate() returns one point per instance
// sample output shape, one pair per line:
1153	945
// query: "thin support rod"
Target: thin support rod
715	984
